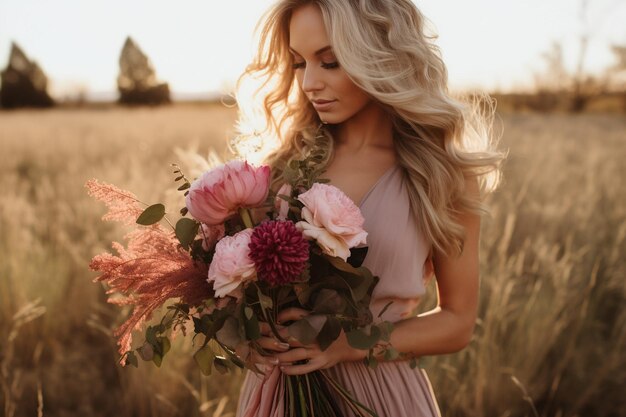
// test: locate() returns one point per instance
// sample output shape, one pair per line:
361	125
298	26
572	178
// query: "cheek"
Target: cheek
353	97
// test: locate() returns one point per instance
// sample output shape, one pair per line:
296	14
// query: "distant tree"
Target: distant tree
137	81
555	78
617	73
24	83
576	88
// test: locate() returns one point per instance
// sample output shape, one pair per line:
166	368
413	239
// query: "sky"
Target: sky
201	46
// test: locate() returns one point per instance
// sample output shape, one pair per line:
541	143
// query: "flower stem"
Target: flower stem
244	213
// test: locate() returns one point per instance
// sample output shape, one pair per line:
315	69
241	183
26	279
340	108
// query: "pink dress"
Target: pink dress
400	256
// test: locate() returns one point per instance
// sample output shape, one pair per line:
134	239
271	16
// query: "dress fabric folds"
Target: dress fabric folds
401	257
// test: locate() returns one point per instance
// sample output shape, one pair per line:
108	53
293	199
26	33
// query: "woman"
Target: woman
407	154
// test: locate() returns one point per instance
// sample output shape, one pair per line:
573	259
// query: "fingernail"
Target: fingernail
283	345
275	361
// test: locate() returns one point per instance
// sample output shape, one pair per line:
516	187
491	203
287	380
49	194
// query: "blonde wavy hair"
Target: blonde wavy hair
383	47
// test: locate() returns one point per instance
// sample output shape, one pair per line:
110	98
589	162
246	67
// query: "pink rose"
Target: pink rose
332	219
231	265
220	192
281	205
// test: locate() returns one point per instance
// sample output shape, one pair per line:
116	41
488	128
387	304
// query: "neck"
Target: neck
371	127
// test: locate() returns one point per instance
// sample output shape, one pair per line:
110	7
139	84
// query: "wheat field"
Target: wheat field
551	335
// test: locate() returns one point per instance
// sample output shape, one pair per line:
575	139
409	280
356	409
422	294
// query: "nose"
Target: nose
311	80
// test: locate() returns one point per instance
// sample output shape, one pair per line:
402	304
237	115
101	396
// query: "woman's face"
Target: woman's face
333	95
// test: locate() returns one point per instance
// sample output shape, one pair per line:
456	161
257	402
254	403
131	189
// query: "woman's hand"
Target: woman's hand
338	351
268	342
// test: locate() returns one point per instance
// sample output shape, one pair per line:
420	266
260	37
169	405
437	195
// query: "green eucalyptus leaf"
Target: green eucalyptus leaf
146	351
386	327
151	335
184	186
372	362
131	359
329	333
186	231
266	302
359	279
165	344
391	354
204	359
221	365
251	324
302	331
229	333
307	329
157	359
304	293
151	215
328	301
363	338
202	324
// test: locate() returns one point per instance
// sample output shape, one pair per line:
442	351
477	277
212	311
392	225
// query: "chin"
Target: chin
331	119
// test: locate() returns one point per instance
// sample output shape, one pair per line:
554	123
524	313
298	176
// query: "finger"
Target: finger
293	355
266	329
312	365
291	314
272	344
257	358
243	351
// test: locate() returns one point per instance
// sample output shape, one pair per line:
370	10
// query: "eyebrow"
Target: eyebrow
319	51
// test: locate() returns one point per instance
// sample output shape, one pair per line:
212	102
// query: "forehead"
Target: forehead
307	32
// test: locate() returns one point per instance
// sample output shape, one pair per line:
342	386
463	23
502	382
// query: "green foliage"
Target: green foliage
204	358
364	339
152	214
186	231
303	173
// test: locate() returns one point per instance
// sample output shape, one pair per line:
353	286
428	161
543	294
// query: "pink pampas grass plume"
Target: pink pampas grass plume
149	271
123	205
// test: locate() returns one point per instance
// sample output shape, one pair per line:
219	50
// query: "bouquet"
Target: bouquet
223	276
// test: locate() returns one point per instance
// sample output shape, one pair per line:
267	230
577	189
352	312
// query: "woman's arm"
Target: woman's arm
448	327
445	329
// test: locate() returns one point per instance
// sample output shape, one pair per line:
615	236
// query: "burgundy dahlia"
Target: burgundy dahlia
279	251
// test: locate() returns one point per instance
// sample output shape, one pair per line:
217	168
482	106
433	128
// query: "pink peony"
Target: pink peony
231	265
279	252
332	219
220	192
281	205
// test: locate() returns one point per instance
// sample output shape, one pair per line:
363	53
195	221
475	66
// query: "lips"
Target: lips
322	105
320	101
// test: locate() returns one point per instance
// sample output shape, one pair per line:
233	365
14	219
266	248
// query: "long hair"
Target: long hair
382	45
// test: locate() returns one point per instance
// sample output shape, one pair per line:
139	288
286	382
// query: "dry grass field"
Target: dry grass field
551	336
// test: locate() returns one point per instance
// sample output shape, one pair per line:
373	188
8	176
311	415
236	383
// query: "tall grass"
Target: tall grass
551	338
551	333
49	231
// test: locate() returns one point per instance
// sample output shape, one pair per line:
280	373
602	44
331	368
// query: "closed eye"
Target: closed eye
325	65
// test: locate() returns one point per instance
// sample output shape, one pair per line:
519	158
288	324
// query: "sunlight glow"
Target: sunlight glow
200	47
